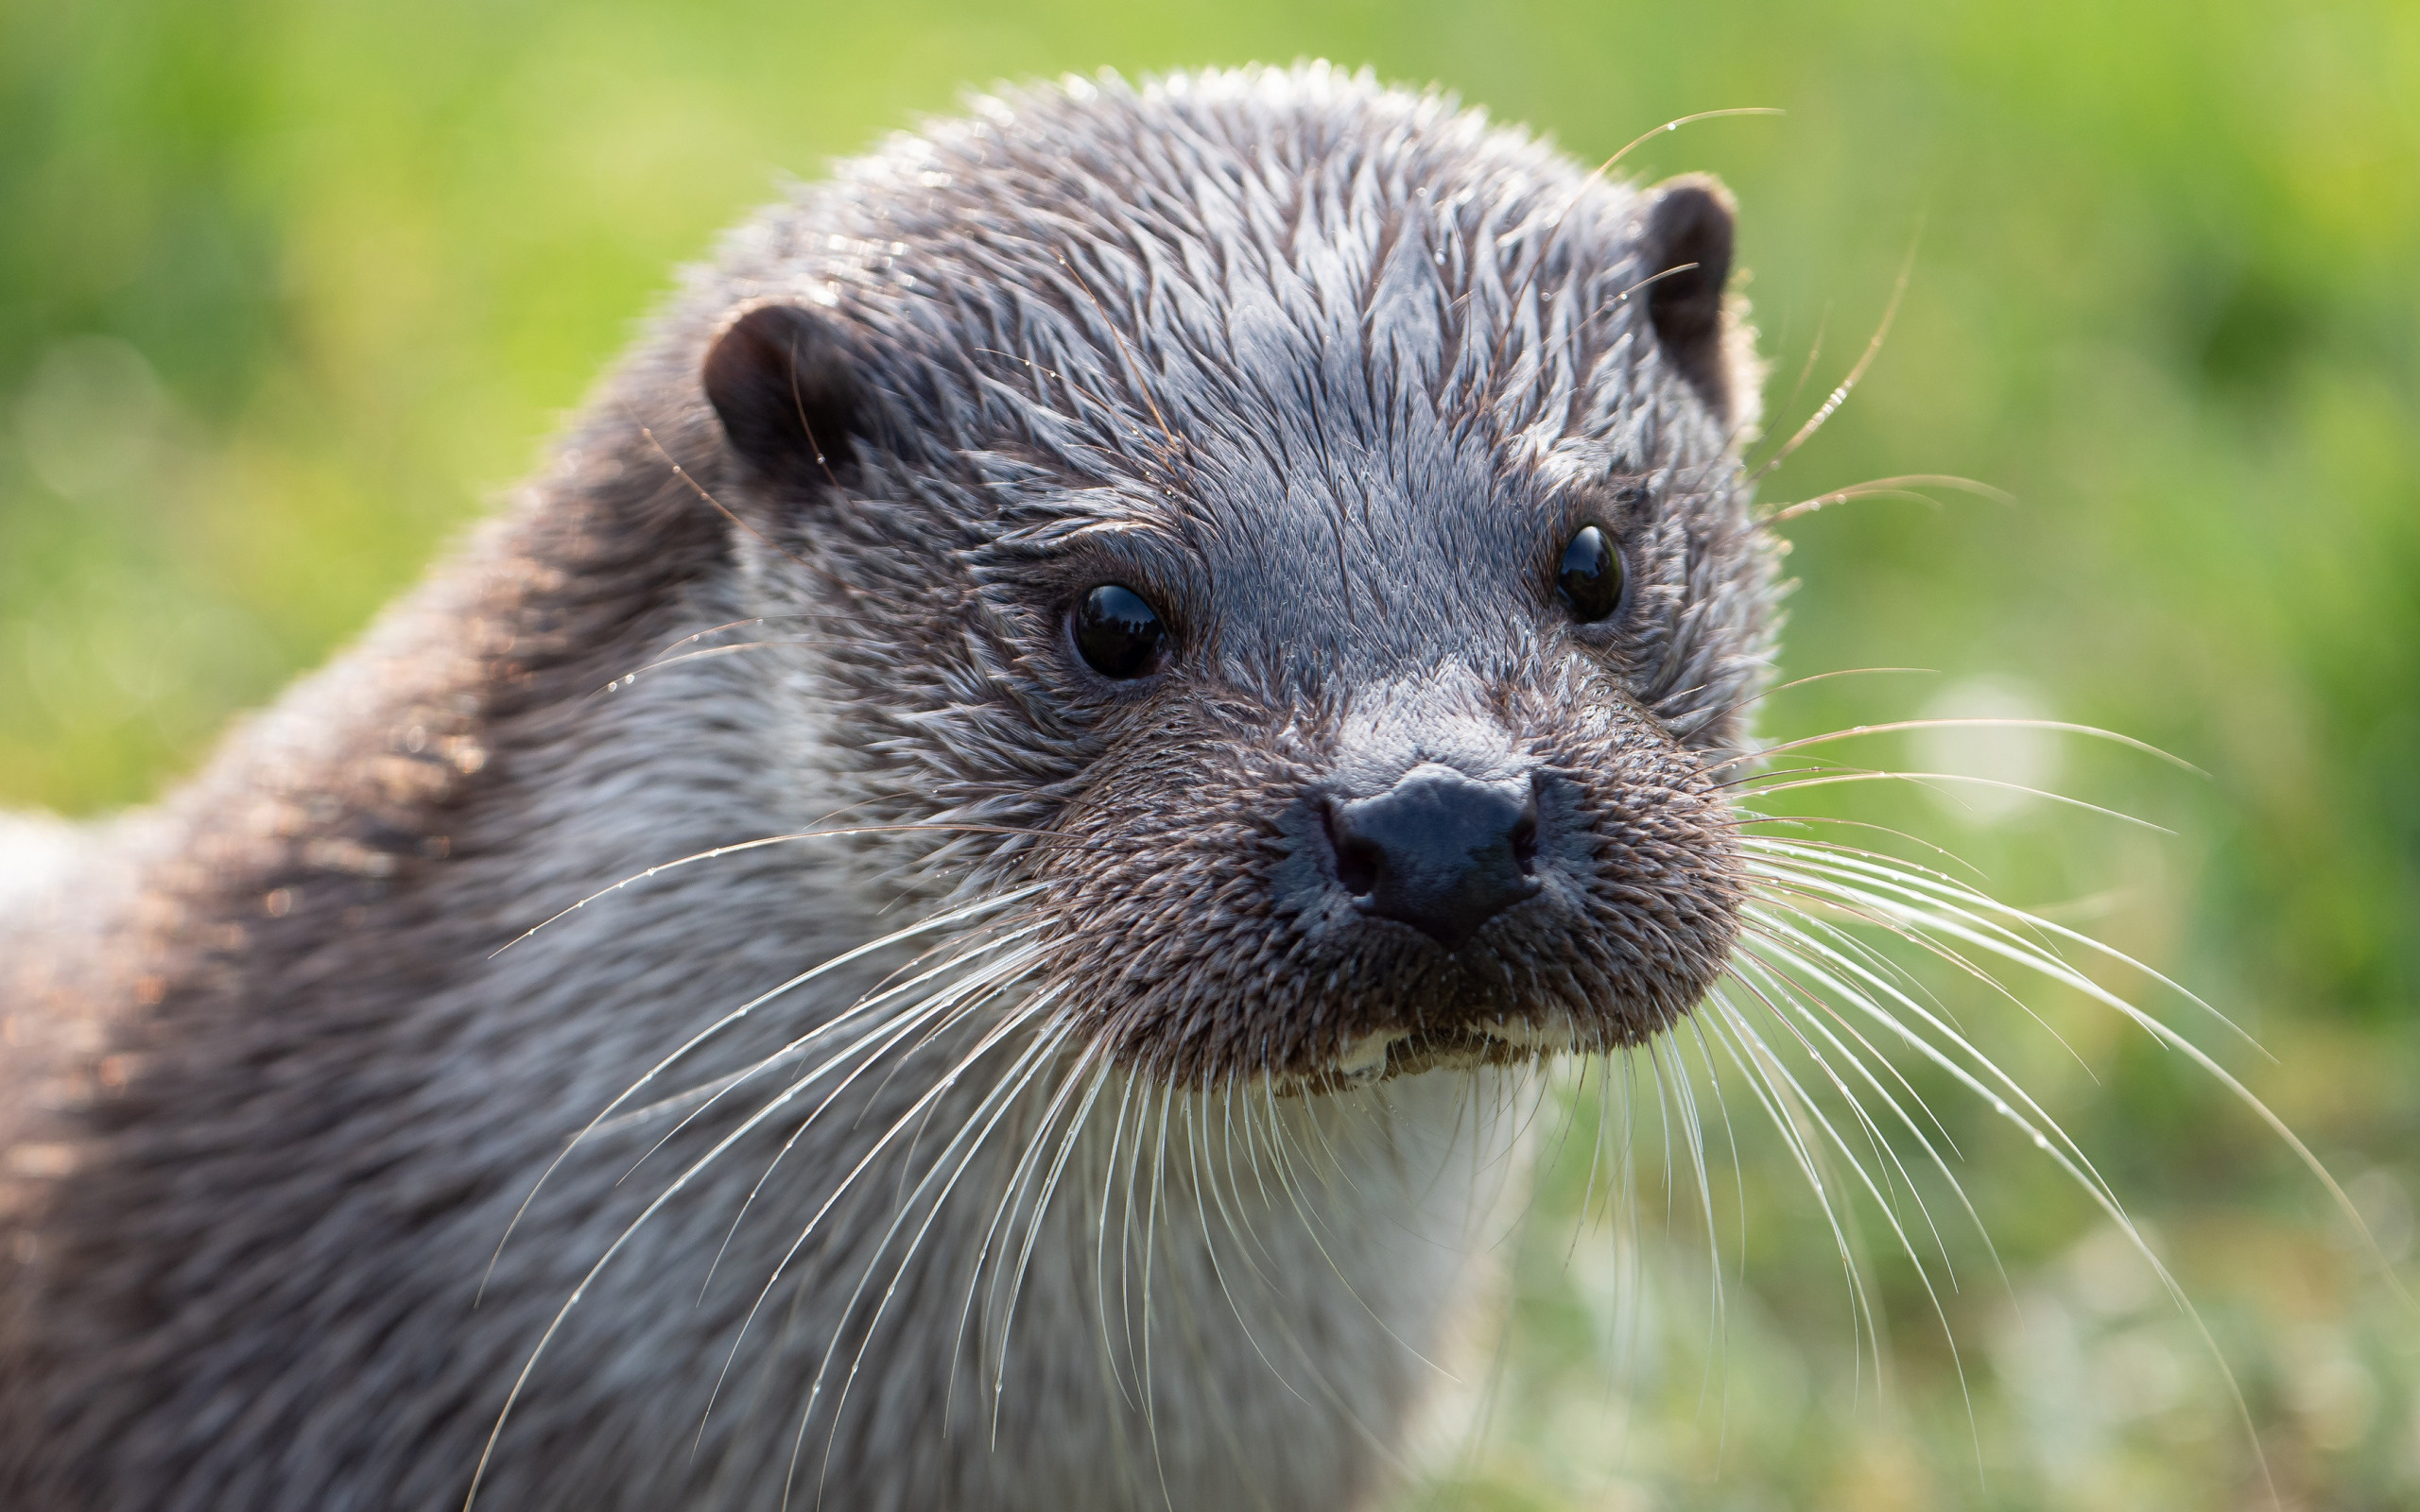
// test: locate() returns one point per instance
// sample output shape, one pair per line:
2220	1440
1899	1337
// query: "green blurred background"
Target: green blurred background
290	288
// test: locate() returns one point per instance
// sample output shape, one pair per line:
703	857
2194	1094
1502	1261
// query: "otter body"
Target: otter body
1050	1048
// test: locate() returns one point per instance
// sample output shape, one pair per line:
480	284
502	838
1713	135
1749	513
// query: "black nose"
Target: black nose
1439	850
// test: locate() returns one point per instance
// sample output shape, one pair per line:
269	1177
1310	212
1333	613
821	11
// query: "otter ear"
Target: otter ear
787	395
1687	250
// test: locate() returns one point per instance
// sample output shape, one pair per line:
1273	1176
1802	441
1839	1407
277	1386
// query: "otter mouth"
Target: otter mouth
1383	1054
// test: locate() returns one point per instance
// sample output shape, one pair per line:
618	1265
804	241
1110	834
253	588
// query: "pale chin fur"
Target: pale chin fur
1364	1060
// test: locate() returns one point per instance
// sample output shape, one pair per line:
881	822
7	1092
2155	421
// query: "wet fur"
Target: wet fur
1330	369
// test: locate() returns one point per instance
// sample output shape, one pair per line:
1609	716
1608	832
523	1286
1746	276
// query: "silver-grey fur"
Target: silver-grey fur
1133	1220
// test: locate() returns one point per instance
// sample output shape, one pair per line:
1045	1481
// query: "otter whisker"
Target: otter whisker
1842	848
694	1098
1629	1241
1959	921
2007	1106
696	636
927	1017
1000	1100
1204	1177
1224	1417
2068	1156
1925	888
1745	781
1077	1124
1127	1243
1158	1186
1003	1097
705	653
1262	1119
1815	874
1069	1079
1692	1126
1910	486
1279	1163
1012	1191
959	1000
1722	757
1915	921
1809	1006
1100	1239
1731	1141
1885	1198
1748	1054
1820	898
1341	1169
1045	953
672	1190
1789	1001
1983	721
830	579
1116	1137
1840	396
1955	920
1673	125
1830	916
1552	224
1663	1123
1311	1223
1601	1061
941	919
1307	1359
866	1002
739	846
1623	298
1247	1239
1132	1236
668	652
871	1006
903	1023
1832	778
1810	900
1758	929
1893	1172
1814	350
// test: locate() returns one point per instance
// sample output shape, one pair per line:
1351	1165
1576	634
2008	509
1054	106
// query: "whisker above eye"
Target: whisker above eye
2059	725
1910	486
1833	778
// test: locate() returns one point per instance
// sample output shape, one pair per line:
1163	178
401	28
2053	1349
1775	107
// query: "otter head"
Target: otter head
1289	536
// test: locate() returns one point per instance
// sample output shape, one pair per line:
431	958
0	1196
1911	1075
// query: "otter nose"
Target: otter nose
1439	850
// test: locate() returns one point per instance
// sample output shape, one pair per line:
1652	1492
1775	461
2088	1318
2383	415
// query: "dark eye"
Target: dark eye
1118	634
1590	578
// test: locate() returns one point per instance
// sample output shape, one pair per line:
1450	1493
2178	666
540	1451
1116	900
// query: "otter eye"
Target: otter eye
1118	634
1590	578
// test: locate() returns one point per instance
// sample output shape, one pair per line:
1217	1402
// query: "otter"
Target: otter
953	907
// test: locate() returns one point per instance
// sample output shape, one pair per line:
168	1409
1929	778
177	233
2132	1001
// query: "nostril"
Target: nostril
1357	859
1525	840
1356	867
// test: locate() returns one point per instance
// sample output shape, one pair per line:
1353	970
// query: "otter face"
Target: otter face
1332	543
1361	818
